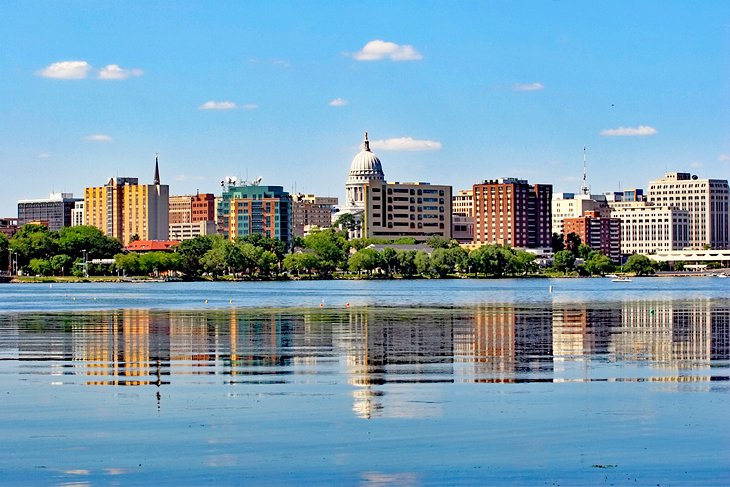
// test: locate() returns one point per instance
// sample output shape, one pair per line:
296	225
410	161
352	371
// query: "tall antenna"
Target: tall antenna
584	189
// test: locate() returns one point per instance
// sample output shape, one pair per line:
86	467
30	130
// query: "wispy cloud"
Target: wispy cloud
114	71
378	50
338	102
528	87
98	138
44	155
217	105
66	70
250	106
405	144
83	70
723	157
696	165
640	131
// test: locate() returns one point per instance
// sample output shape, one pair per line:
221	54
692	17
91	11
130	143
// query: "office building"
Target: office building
310	211
186	231
192	208
509	211
77	214
54	212
253	209
462	203
704	200
394	210
647	228
124	209
8	226
597	232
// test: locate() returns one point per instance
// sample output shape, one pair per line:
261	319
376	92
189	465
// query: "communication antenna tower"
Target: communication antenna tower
584	189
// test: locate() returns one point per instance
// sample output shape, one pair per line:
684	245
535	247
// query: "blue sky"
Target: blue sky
450	92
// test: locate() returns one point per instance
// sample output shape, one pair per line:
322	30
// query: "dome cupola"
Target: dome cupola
365	165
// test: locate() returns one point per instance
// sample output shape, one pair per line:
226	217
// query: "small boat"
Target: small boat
612	276
621	279
721	276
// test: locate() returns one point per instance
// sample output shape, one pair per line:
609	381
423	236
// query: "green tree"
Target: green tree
389	259
267	263
60	264
364	260
597	263
4	254
346	221
572	243
639	264
438	242
524	262
128	263
584	251
33	242
40	267
301	262
73	241
557	242
328	247
192	252
407	262
422	262
564	261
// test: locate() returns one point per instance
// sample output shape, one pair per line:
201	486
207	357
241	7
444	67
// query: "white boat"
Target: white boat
621	279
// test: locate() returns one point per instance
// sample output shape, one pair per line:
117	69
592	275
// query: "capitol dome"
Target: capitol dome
365	166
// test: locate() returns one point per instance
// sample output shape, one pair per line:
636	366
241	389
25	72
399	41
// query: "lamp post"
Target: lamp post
86	264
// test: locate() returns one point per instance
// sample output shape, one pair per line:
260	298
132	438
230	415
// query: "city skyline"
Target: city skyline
285	92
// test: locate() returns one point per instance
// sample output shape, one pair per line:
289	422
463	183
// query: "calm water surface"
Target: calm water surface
534	382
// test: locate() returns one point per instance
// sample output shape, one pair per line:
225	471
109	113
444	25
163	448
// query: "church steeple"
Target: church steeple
157	172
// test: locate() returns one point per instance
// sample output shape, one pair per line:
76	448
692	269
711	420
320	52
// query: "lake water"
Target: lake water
531	382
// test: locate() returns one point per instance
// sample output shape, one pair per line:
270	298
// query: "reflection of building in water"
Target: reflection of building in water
400	347
128	347
666	331
503	343
580	330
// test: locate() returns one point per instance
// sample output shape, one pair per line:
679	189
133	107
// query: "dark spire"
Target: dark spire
366	143
157	172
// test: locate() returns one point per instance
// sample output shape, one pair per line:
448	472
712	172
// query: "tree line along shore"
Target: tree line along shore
84	252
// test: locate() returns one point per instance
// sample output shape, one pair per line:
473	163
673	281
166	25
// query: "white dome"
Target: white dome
365	166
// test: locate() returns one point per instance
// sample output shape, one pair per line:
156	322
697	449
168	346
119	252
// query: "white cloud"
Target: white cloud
114	71
218	105
528	87
723	157
338	102
405	144
641	130
250	106
66	70
378	50
44	155
99	138
696	165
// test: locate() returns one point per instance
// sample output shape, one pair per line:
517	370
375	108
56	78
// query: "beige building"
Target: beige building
394	210
77	214
647	228
186	231
310	211
571	205
462	203
704	200
124	208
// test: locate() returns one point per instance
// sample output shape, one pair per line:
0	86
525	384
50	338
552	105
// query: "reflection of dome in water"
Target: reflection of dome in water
365	166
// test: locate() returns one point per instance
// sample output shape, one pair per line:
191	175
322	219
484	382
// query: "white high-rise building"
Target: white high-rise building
704	200
571	205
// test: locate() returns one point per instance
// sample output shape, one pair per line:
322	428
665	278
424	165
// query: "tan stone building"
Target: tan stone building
647	228
123	208
310	211
394	210
704	200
